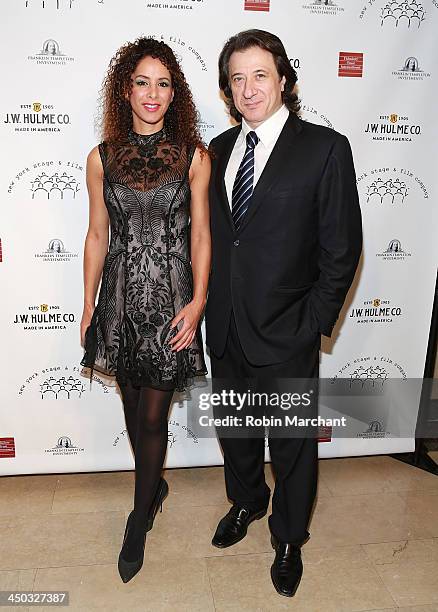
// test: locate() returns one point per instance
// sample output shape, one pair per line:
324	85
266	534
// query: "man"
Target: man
286	240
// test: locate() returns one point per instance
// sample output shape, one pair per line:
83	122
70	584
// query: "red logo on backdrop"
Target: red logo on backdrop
257	5
1	251
7	447
350	64
325	433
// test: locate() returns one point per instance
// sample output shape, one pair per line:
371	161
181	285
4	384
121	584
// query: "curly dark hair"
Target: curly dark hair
181	119
269	42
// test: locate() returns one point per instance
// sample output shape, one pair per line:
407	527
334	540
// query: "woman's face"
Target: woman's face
150	96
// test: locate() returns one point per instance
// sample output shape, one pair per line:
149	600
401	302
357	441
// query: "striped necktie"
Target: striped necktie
243	183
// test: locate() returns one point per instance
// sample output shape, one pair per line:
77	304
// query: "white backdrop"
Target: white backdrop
367	68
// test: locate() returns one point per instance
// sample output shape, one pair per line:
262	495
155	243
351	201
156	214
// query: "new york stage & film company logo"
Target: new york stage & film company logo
7	447
56	252
393	128
183	49
121	435
310	113
394	252
399	15
375	311
44	317
50	54
256	5
368	375
37	117
176	431
49	180
407	13
176	5
61	383
411	71
323	7
389	186
369	371
64	446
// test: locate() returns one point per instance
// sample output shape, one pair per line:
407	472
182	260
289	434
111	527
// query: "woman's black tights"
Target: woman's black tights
146	413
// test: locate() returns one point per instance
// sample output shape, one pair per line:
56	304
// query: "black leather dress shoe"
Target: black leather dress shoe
233	526
287	569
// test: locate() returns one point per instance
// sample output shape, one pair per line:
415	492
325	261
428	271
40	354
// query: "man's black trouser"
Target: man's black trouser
294	459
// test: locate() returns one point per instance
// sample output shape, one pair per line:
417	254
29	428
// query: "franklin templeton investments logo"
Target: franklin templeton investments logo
56	252
64	446
394	251
324	7
375	429
411	71
50	54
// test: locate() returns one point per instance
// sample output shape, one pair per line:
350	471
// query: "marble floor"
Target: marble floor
373	545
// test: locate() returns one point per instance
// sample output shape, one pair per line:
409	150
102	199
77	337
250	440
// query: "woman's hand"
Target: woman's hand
85	321
190	314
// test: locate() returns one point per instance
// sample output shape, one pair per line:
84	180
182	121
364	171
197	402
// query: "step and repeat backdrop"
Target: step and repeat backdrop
366	68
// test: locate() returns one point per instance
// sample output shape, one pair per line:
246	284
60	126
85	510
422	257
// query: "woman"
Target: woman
146	180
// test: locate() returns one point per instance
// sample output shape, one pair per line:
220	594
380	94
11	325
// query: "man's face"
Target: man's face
255	84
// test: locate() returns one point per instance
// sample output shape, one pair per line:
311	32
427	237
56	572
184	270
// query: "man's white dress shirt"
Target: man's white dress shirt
268	133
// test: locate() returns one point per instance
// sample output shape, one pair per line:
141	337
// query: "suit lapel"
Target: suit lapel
274	167
223	160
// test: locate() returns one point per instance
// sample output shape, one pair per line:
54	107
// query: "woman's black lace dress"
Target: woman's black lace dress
147	276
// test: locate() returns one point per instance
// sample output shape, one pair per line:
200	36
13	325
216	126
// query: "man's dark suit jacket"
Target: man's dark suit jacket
286	271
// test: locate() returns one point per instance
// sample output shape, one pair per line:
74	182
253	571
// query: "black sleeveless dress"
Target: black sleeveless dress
147	275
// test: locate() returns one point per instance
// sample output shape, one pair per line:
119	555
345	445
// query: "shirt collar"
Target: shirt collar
269	130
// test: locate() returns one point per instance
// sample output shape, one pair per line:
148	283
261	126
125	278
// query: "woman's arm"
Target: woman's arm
96	242
200	247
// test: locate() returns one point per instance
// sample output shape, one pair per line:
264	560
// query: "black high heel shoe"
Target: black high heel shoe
128	569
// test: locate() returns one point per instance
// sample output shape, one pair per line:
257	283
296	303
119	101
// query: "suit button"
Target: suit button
236	242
